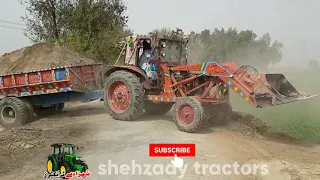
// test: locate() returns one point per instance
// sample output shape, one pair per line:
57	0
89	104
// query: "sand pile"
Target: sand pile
40	56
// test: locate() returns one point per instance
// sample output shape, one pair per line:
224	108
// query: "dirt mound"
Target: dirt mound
251	125
40	56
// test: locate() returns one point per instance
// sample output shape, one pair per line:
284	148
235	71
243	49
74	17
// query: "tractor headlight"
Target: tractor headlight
163	44
163	54
78	158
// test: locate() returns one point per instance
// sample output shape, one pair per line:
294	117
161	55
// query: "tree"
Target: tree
92	28
234	46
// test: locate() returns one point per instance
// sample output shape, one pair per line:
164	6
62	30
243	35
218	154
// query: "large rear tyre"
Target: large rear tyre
13	112
124	96
50	165
188	114
45	111
219	114
157	108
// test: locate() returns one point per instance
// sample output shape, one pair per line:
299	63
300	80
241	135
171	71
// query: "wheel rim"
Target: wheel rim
119	97
186	114
8	114
49	166
62	170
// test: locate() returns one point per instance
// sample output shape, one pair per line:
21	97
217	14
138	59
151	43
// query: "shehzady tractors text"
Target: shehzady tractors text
196	91
64	160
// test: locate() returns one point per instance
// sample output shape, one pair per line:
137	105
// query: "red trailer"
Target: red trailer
45	91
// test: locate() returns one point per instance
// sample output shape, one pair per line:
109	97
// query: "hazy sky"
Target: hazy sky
290	21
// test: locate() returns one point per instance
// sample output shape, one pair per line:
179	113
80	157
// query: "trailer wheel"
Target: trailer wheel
124	96
188	114
30	108
157	108
45	111
219	114
60	107
13	112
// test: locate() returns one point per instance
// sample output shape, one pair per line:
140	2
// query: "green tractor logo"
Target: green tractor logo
64	160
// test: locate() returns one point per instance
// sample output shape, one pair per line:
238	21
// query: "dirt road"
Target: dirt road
120	142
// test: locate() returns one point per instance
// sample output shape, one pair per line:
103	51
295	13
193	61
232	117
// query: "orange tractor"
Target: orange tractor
196	92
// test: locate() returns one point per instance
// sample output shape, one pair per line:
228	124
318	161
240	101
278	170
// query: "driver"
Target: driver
145	57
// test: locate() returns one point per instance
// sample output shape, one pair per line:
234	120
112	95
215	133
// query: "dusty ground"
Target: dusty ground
24	150
39	56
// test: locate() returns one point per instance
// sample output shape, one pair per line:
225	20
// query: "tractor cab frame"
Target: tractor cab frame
170	50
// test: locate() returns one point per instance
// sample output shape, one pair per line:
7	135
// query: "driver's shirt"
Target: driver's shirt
143	58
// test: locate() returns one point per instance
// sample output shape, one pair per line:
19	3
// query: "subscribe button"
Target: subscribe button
162	150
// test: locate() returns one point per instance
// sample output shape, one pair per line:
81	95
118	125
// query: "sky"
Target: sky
293	22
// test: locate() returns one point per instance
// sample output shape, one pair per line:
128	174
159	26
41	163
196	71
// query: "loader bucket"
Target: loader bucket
275	89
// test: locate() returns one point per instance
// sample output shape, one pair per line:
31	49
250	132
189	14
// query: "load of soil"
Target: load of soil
40	56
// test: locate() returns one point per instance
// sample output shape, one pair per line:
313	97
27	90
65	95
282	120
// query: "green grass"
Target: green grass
298	119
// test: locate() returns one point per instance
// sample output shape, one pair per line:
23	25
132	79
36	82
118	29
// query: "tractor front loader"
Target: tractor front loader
196	92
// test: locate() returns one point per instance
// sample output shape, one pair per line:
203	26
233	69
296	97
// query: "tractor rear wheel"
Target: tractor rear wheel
45	111
188	114
124	96
13	112
219	114
157	108
50	165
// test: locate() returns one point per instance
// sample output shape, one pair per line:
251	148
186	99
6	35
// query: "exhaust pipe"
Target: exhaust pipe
275	89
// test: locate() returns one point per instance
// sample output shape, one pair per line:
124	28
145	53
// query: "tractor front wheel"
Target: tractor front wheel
64	168
85	167
188	114
124	96
219	114
13	112
157	108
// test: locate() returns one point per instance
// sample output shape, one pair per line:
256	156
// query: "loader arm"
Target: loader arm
259	90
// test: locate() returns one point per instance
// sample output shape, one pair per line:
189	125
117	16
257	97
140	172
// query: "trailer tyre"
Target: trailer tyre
60	107
124	96
45	111
188	114
157	108
13	112
30	109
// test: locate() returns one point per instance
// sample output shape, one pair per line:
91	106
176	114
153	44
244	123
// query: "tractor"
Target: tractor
196	92
64	160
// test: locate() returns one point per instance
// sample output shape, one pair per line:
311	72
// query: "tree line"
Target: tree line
94	28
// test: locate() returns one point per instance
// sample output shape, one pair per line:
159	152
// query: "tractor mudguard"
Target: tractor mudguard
134	69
